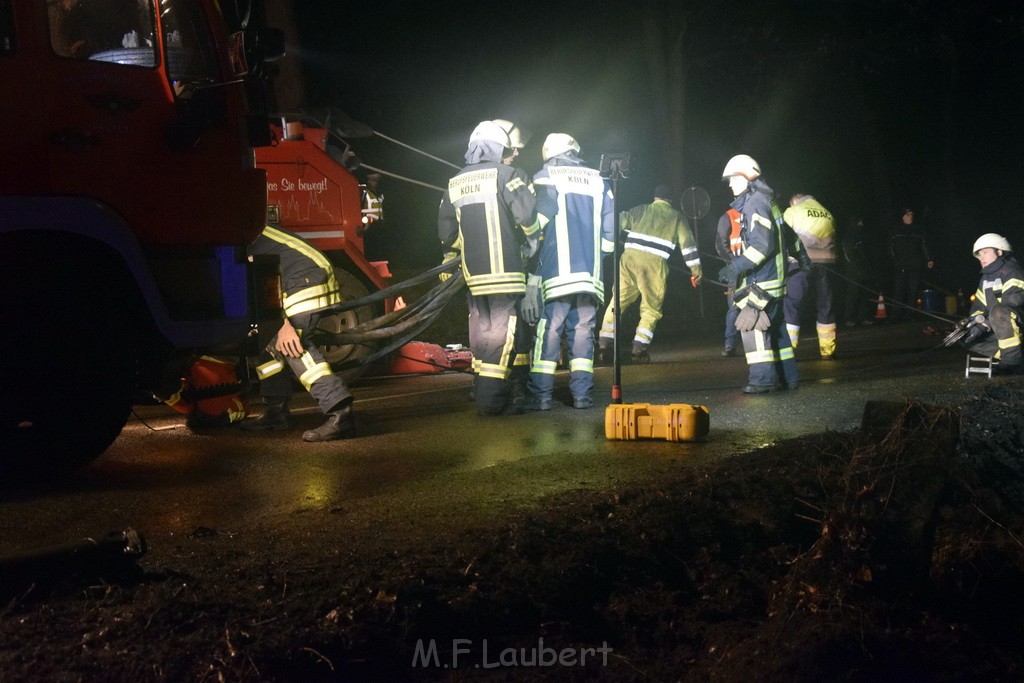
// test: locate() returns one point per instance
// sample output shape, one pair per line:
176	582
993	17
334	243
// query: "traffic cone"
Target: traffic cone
880	312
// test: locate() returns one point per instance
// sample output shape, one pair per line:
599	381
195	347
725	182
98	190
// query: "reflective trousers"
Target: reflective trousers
798	283
493	340
312	369
770	360
641	275
576	315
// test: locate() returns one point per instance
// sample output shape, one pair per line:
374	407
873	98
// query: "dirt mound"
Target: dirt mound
875	555
893	552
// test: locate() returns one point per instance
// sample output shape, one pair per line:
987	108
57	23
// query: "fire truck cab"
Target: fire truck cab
128	194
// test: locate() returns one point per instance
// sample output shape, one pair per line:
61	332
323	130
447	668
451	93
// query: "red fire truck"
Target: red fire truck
128	192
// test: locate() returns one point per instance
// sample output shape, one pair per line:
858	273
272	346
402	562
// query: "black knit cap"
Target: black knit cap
665	192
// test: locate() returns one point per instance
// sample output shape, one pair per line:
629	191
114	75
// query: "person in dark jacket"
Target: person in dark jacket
998	308
309	290
855	260
729	245
489	212
909	251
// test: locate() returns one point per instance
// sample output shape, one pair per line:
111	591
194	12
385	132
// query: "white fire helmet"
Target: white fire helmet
991	240
558	143
515	134
742	165
491	132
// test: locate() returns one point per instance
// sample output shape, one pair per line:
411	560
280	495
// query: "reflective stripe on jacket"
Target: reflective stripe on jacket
728	236
1002	282
763	261
488	208
657	228
308	283
373	206
576	209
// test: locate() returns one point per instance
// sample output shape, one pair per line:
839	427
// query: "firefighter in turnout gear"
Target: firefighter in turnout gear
373	200
760	274
521	360
374	230
489	211
652	233
575	210
309	290
816	229
999	302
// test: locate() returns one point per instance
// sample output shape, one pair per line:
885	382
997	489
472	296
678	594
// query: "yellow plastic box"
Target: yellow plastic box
673	422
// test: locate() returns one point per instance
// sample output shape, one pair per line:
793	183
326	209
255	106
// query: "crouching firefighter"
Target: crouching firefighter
993	327
309	291
760	271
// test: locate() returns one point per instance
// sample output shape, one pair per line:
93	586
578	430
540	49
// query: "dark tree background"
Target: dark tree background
871	106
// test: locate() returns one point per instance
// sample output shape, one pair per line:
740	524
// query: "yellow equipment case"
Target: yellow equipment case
673	422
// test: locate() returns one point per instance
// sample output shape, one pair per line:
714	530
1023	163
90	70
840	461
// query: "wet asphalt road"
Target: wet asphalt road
422	444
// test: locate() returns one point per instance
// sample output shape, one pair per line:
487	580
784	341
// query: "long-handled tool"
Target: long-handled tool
673	422
615	166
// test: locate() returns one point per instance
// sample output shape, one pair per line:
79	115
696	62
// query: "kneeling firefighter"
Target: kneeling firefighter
993	326
309	291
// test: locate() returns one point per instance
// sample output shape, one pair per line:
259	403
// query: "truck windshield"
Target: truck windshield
118	31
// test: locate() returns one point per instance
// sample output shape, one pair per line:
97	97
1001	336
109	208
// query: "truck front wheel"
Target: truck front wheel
351	288
67	374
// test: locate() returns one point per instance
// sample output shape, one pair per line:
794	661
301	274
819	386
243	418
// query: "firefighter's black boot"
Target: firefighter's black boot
340	424
276	417
640	354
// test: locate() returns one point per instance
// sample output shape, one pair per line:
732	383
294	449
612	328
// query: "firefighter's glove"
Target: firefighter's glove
752	319
728	276
449	256
530	304
696	279
763	322
977	328
530	247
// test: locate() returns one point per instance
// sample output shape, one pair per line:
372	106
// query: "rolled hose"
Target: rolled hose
397	328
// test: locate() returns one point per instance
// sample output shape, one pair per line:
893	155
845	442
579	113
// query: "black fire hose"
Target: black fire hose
398	327
110	558
398	286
